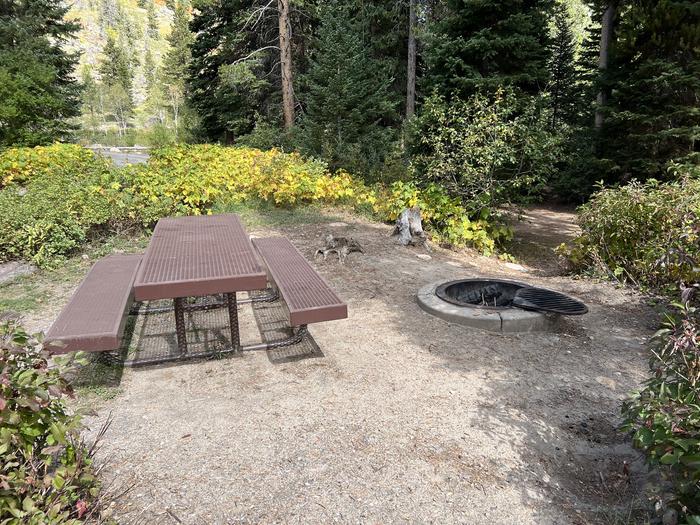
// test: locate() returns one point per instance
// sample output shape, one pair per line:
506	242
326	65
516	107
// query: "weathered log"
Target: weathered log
341	246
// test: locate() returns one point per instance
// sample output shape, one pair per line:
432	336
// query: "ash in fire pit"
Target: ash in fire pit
497	304
481	293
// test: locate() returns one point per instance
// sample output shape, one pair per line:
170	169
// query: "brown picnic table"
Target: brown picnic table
199	256
189	257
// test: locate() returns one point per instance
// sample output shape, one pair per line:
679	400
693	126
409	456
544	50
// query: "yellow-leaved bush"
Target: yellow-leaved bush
191	180
20	165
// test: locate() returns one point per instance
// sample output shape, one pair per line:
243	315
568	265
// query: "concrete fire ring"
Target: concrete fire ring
505	320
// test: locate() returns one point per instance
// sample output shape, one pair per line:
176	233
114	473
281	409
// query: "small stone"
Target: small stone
517	267
337	224
85	257
424	256
670	517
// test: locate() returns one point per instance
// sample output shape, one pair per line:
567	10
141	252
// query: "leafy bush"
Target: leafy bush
188	180
47	475
444	216
20	165
644	233
57	209
51	199
485	150
664	416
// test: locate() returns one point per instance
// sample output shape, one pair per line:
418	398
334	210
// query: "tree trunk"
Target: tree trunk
411	85
606	35
286	63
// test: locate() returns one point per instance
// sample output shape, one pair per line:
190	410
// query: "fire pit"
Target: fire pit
479	293
497	304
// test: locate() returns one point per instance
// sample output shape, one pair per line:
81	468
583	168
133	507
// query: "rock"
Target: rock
424	256
670	517
337	224
517	267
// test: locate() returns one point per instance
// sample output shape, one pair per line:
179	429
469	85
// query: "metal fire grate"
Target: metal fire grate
543	300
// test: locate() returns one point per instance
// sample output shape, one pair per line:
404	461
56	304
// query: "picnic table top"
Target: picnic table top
196	256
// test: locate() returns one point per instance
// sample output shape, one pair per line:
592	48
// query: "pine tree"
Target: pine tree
176	64
115	68
152	19
177	59
484	44
655	74
563	86
38	92
117	79
149	70
230	81
348	96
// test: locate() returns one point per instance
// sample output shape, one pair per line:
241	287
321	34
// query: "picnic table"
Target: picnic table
197	256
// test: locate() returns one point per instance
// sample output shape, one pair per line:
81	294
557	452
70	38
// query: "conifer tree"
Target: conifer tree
348	96
117	78
563	86
655	74
115	68
177	59
176	64
38	92
230	76
149	70
152	19
485	44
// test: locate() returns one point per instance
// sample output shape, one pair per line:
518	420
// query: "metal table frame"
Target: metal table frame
150	285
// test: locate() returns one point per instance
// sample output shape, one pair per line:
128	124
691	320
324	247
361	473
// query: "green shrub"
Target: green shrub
55	210
643	233
485	150
444	216
20	165
52	198
47	475
664	417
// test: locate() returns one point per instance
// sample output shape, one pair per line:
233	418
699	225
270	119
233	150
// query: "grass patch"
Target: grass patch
30	293
260	214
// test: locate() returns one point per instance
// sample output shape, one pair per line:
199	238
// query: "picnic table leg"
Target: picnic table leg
233	320
180	325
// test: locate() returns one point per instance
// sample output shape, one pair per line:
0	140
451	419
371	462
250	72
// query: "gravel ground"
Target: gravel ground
394	416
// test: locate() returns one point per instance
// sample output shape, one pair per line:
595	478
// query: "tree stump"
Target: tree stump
409	228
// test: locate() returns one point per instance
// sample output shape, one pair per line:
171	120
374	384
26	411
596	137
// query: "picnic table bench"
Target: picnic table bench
193	257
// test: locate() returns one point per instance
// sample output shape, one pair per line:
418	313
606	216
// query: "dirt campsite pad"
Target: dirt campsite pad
391	415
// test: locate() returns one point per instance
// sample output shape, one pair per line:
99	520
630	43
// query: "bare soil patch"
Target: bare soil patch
400	416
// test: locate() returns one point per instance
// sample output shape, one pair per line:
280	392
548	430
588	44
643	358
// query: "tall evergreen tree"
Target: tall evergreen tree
234	75
484	44
348	96
152	19
38	92
115	68
176	64
149	69
653	116
563	85
117	78
177	59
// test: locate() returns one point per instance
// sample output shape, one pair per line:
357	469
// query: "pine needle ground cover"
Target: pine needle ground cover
58	196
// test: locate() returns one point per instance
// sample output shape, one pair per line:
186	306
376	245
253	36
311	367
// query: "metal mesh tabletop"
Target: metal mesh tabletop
196	256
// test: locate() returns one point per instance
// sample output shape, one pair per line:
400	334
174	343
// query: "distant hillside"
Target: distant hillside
137	30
